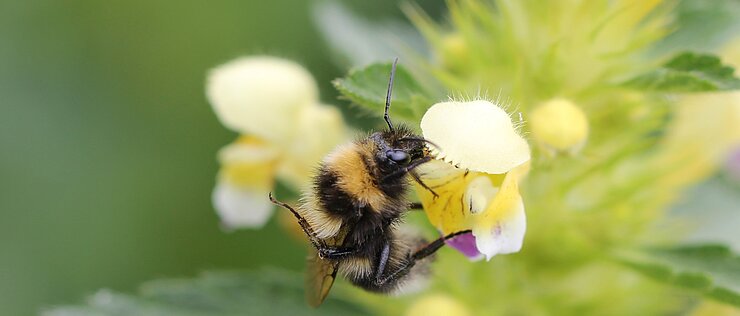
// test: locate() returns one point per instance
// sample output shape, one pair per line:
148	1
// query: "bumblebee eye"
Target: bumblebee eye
398	156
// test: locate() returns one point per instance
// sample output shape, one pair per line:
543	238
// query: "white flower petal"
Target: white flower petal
476	135
241	207
503	237
261	95
478	194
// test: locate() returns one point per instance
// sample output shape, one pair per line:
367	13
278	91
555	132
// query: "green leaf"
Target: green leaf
712	270
367	88
702	25
688	72
264	292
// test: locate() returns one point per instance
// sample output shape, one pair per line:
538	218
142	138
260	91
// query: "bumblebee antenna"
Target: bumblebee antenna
388	96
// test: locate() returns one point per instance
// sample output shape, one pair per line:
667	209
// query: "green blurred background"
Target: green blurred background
108	145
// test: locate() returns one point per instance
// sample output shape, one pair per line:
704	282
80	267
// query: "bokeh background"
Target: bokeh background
107	144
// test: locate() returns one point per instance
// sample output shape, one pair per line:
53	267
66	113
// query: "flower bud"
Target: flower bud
454	51
560	125
437	304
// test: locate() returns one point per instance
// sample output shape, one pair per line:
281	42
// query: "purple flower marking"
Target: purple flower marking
465	243
733	165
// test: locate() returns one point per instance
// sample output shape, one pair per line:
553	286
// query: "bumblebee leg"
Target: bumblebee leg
416	206
315	241
325	251
332	253
416	178
384	254
432	247
417	163
407	169
422	253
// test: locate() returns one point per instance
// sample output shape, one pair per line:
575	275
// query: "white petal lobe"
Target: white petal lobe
241	207
479	193
261	95
476	135
504	237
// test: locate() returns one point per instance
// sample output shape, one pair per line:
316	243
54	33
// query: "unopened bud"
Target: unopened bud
437	304
560	125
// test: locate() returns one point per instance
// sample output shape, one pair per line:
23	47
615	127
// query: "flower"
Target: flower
273	103
480	161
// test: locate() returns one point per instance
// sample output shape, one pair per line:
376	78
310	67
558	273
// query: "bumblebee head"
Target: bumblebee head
399	147
398	156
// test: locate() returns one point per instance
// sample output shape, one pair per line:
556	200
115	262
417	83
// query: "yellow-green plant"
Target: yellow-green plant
594	116
605	115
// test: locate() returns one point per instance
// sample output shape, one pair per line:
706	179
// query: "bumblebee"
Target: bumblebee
352	213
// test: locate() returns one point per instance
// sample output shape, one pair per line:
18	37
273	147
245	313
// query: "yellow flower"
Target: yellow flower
273	103
481	160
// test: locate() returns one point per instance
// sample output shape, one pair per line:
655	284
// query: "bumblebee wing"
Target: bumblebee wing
320	275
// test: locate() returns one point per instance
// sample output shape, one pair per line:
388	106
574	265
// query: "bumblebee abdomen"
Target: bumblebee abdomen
363	271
